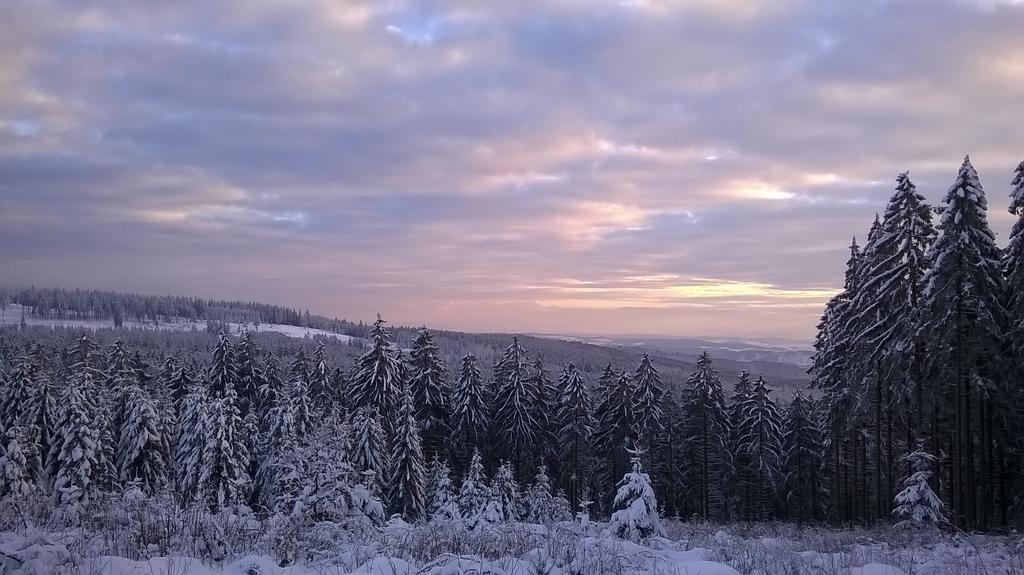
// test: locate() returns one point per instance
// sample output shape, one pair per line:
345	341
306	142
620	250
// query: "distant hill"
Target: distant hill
783	365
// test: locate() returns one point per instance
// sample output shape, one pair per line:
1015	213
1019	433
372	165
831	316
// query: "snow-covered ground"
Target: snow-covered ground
521	549
11	315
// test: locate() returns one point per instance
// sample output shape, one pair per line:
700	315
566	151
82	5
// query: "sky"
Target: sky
572	166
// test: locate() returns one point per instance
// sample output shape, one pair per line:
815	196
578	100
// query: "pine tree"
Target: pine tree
469	405
272	391
298	394
917	505
503	504
179	386
247	373
429	381
616	428
707	436
407	470
669	456
472	498
377	379
1013	270
441	503
636	508
15	473
963	291
647	399
760	440
321	387
543	410
140	450
516	429
369	451
190	442
739	482
576	427
18	393
77	445
39	418
222	377
804	452
224	477
540	504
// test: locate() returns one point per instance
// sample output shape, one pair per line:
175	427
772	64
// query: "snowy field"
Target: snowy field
134	542
11	315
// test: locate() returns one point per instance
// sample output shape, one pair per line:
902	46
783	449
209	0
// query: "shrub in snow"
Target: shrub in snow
917	505
541	506
441	504
503	503
472	497
636	509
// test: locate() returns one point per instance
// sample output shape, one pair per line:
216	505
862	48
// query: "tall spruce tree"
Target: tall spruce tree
369	448
707	435
299	395
576	426
616	428
803	451
647	400
429	381
141	458
760	441
963	292
470	406
321	385
408	475
515	427
377	377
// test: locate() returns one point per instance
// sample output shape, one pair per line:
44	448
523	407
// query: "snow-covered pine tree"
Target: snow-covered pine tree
1013	270
469	407
17	394
39	417
429	381
543	410
804	451
647	400
828	371
917	506
540	504
377	377
179	386
516	430
739	481
16	477
77	445
707	435
668	456
369	448
321	387
340	390
190	443
247	373
503	503
760	439
140	450
408	476
616	428
298	394
222	376
272	391
225	462
576	426
636	508
473	493
963	295
442	505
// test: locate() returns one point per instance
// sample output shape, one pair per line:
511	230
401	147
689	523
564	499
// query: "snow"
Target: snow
10	314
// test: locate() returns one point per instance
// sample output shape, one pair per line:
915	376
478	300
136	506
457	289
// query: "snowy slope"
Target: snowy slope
11	314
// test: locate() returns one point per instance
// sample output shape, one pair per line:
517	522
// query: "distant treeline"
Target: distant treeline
59	303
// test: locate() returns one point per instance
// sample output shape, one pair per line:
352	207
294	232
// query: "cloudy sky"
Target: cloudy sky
574	166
